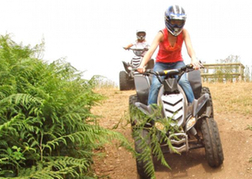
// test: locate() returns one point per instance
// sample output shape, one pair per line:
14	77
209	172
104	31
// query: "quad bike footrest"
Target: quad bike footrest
179	141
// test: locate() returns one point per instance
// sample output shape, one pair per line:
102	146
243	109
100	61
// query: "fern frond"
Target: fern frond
45	111
12	121
151	143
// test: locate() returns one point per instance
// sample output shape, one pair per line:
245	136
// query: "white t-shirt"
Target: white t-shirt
141	45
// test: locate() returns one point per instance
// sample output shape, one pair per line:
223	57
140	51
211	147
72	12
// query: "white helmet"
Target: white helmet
140	34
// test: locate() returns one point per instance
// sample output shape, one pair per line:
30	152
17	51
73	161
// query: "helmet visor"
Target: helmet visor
177	23
141	35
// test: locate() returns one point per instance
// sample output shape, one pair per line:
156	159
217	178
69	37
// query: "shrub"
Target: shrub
46	127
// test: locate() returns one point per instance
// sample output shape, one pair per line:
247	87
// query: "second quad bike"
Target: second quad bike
126	77
194	123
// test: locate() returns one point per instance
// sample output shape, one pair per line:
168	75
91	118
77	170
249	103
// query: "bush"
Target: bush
46	127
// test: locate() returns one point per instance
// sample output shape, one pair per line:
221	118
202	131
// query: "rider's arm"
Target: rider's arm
150	52
190	49
128	46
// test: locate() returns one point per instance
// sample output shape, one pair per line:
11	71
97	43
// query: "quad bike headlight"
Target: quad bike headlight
159	126
190	123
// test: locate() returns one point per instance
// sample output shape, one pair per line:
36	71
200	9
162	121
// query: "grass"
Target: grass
104	83
227	97
231	97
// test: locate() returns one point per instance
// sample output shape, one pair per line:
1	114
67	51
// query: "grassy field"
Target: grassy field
231	97
227	97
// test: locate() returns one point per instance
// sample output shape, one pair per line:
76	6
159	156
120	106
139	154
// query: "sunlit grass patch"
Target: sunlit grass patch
232	97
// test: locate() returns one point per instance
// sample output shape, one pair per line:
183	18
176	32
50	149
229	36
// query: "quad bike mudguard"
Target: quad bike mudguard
142	84
195	82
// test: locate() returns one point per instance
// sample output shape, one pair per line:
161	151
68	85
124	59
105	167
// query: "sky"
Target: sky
90	34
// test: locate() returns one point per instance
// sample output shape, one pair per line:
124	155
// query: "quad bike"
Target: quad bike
126	78
195	122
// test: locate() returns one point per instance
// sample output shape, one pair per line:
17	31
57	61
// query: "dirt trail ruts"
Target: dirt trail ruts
236	142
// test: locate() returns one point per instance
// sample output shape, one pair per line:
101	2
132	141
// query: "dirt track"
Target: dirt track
236	143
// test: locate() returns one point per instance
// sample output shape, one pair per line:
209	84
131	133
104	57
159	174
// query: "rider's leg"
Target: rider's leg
155	85
184	83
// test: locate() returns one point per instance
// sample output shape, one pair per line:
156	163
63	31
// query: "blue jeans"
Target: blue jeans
183	82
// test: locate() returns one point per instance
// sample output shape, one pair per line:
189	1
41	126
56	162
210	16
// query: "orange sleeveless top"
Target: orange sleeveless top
167	53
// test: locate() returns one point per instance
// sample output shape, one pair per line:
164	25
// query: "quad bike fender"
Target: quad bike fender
126	65
199	103
208	111
202	105
142	84
150	64
194	78
195	108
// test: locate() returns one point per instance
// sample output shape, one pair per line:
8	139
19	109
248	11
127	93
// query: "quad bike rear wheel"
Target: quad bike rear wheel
125	83
212	142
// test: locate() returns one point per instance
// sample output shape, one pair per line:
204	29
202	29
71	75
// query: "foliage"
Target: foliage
104	83
150	144
46	127
247	73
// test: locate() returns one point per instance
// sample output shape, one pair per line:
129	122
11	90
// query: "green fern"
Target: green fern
47	129
150	145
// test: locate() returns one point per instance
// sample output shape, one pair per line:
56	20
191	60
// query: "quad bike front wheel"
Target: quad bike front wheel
132	109
125	83
210	101
142	137
212	142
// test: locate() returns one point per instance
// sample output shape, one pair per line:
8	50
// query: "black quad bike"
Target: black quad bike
196	124
126	78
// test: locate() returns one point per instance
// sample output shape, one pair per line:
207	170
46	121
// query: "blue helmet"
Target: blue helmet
175	18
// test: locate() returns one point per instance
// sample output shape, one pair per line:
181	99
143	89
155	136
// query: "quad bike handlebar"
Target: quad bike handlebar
137	51
171	72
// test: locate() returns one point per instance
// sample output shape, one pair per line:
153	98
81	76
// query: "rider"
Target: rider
170	41
140	42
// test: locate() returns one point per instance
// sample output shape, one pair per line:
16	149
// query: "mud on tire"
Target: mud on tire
212	142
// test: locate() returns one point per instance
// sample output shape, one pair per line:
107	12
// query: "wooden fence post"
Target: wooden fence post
209	72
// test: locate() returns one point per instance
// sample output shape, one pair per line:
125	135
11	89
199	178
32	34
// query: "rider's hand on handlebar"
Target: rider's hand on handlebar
141	69
196	64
